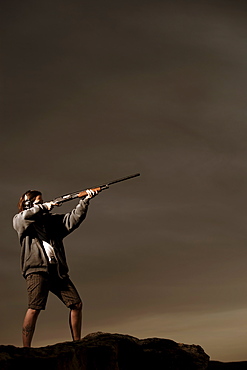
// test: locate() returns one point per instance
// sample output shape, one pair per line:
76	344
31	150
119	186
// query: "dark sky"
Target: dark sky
92	91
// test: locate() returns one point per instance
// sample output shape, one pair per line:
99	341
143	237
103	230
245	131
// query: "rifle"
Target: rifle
83	193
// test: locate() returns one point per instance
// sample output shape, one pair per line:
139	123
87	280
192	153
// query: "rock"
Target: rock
104	351
217	365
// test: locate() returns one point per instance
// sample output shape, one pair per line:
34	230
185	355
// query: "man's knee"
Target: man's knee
33	312
76	306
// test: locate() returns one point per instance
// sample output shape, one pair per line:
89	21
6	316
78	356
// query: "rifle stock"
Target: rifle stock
83	193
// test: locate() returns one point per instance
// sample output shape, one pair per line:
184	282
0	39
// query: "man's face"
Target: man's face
38	200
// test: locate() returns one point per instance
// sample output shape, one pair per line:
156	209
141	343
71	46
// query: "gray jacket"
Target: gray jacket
56	226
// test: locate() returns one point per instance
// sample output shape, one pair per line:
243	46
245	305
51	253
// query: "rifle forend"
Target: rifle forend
83	193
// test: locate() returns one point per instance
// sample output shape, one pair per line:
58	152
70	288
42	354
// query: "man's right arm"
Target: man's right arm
24	219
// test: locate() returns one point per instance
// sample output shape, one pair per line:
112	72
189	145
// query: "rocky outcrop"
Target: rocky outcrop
103	351
217	365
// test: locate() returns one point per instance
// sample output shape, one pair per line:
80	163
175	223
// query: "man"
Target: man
43	259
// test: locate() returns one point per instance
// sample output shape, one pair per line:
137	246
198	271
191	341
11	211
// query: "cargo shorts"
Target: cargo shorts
40	284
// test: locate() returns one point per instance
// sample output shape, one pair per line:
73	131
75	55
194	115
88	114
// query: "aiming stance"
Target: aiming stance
43	260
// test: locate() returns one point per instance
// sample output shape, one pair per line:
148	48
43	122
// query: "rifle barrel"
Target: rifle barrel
79	194
123	179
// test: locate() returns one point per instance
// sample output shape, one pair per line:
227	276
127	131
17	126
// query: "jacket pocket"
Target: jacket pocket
36	256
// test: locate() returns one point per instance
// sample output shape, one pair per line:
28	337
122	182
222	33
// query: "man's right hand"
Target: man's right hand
50	205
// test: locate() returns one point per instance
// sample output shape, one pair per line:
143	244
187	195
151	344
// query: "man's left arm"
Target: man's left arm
74	218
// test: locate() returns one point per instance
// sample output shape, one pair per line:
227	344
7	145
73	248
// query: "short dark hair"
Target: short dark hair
27	199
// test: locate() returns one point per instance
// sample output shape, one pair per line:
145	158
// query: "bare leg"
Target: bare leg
29	326
75	320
